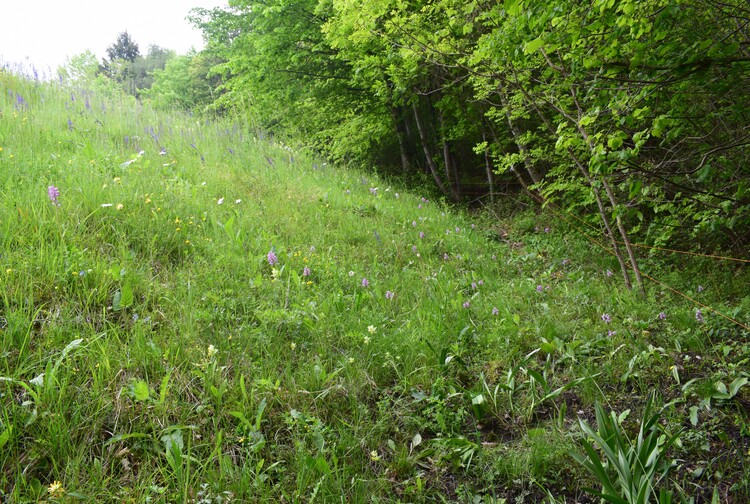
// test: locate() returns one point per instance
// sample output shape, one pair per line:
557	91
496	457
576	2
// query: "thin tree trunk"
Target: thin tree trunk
398	124
451	173
488	167
522	147
427	154
625	238
517	174
610	195
605	218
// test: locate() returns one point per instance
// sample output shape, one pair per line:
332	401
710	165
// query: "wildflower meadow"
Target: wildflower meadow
193	312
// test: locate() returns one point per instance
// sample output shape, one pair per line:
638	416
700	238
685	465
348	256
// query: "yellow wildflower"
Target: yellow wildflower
56	489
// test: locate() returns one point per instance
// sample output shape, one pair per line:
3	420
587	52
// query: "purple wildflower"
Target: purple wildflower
306	271
414	248
539	288
609	273
414	223
662	316
458	229
53	193
700	288
546	230
365	282
272	259
445	257
611	333
699	316
421	234
565	262
481	282
466	304
388	295
474	285
606	318
495	311
419	206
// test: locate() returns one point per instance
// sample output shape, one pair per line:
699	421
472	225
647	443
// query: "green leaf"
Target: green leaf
736	385
173	441
614	142
126	298
139	390
694	415
635	188
548	347
513	7
5	436
534	45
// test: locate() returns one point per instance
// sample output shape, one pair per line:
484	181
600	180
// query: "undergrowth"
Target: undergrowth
191	314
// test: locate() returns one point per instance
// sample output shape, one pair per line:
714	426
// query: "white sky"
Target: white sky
45	32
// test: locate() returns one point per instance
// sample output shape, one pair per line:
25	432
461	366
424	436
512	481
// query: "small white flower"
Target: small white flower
371	329
238	201
220	202
105	205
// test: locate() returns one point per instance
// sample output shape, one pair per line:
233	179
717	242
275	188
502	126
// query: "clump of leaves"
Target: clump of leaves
632	468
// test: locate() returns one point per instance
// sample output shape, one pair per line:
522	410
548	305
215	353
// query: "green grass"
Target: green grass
150	352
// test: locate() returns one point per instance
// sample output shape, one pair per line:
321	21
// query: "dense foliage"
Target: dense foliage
633	112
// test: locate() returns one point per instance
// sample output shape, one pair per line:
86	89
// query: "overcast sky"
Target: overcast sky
45	32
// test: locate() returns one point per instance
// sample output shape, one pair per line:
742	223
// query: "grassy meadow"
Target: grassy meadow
190	313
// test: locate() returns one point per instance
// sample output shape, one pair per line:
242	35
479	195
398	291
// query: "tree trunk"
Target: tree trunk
451	172
428	156
488	167
518	175
401	134
605	218
625	238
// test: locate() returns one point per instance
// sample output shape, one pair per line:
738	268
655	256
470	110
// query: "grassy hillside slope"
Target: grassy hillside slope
202	316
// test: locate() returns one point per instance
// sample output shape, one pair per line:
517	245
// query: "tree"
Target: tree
124	48
631	114
80	68
142	68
